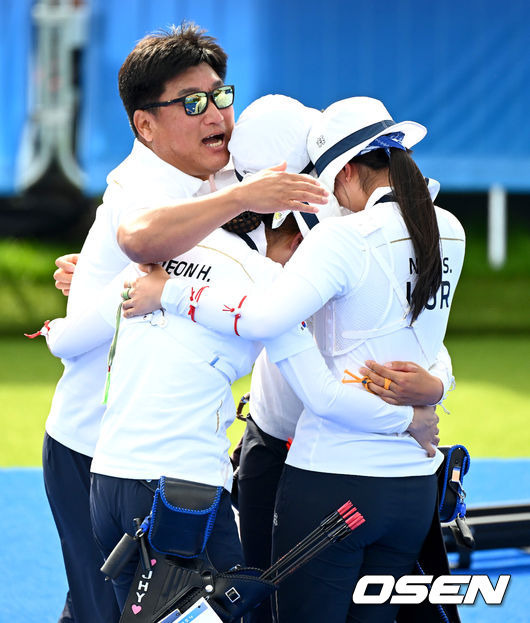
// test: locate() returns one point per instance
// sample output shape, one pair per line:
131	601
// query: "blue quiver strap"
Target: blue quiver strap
182	516
450	482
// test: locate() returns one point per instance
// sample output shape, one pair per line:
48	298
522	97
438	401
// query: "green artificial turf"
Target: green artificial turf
489	408
28	375
27	293
486	300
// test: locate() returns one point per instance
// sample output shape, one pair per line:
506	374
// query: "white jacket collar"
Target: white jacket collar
379	192
143	170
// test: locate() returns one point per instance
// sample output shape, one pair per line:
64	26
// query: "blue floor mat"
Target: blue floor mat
33	584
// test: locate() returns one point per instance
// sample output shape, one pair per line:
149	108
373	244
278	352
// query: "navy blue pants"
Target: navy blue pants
67	482
115	502
398	513
261	464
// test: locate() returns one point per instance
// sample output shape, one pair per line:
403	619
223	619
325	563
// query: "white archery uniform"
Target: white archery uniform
141	181
362	251
279	125
170	402
348	264
276	408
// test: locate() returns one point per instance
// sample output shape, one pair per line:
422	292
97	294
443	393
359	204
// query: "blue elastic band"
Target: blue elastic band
386	142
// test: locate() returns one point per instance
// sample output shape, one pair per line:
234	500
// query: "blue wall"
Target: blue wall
460	68
105	134
15	50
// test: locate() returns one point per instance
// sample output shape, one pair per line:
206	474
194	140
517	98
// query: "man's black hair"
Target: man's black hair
160	57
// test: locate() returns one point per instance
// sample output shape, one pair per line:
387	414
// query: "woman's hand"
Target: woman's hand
65	271
403	383
424	429
145	292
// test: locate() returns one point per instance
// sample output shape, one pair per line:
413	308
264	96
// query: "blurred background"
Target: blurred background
460	68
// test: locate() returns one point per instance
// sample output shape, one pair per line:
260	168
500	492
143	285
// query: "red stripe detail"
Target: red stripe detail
31	336
199	293
238	316
194	298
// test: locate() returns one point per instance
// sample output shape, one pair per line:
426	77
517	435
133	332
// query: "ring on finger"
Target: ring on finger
366	380
125	295
387	383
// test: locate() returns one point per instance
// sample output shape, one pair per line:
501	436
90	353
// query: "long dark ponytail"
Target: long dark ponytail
412	195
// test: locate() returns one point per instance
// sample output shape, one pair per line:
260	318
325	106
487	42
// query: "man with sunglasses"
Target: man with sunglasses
164	192
178	123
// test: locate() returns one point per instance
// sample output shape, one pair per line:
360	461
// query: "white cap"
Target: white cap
307	220
272	129
346	127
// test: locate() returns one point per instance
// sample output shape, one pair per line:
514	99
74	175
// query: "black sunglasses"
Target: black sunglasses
197	103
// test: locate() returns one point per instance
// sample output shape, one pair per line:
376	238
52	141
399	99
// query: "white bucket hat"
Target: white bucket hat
270	130
348	126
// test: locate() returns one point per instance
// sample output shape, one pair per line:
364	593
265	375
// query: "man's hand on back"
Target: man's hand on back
274	190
